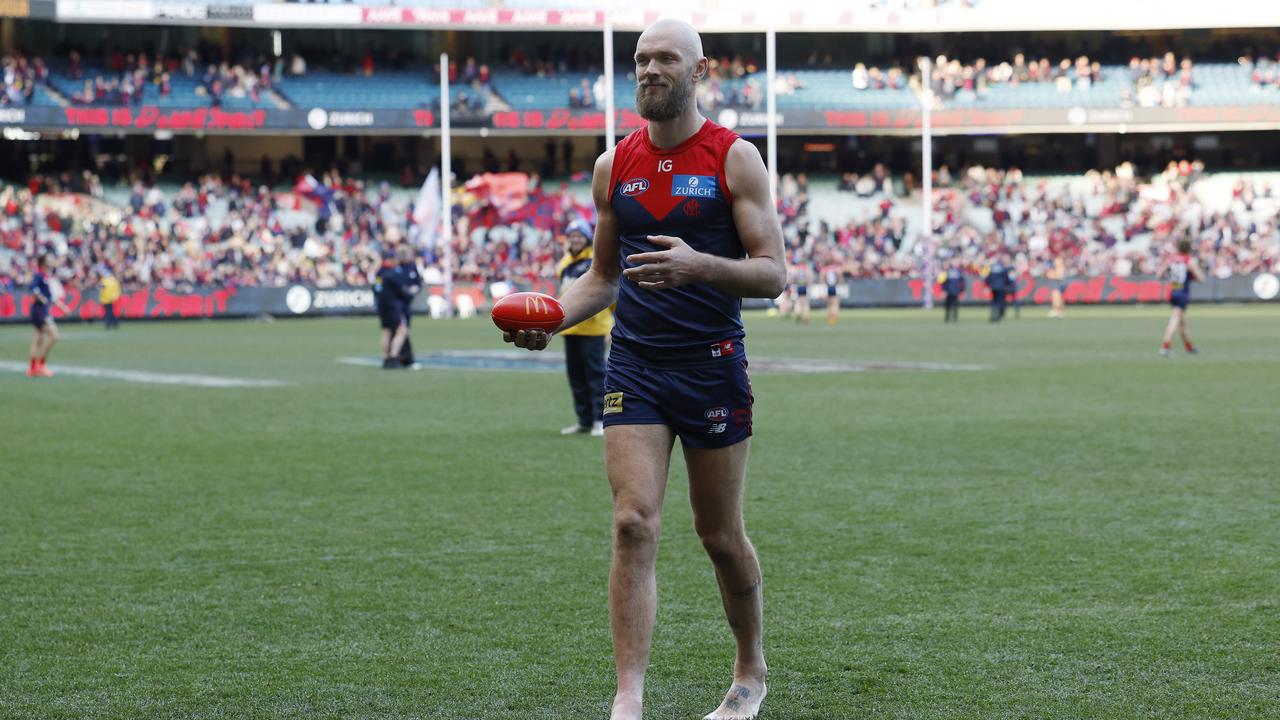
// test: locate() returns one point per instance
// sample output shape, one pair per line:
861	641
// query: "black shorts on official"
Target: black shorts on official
391	318
707	405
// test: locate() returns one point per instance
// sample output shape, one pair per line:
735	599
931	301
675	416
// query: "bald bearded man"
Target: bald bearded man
687	228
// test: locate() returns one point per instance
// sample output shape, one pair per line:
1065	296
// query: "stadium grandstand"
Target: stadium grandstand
205	145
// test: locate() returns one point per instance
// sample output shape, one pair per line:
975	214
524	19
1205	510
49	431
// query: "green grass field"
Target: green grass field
1082	530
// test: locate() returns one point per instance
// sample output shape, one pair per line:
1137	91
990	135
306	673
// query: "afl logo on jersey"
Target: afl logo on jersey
632	188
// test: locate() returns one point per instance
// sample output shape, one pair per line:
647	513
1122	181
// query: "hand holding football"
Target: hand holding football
528	311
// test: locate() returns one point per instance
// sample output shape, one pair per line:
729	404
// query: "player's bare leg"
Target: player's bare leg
833	310
397	340
1175	322
37	341
717	480
1182	331
636	459
50	333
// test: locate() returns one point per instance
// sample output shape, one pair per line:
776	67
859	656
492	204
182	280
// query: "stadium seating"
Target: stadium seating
380	91
530	92
182	95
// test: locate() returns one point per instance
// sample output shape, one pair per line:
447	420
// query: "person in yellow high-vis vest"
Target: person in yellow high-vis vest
584	343
108	294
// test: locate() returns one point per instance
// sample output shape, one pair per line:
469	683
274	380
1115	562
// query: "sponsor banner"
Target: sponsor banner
303	300
96	10
149	118
306	15
181	11
238	13
1102	290
484	17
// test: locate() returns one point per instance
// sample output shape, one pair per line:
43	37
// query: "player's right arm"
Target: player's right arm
597	289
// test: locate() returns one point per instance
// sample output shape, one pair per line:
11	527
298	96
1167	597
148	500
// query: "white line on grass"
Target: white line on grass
153	378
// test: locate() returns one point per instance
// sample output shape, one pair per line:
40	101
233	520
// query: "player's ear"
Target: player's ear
701	69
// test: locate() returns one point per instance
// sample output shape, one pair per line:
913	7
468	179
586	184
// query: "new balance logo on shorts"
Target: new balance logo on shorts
722	348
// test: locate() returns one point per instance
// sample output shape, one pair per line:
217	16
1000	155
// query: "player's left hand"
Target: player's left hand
678	265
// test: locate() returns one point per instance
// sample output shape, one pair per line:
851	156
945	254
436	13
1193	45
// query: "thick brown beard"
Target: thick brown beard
676	102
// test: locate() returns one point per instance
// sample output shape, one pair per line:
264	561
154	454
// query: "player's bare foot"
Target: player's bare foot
742	702
626	707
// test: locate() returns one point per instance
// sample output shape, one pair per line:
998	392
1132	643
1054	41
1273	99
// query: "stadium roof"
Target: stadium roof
707	15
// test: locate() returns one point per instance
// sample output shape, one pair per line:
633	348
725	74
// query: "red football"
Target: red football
528	310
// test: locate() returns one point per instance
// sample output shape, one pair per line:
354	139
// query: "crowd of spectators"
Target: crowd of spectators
1264	73
1158	82
1104	222
326	231
211	232
20	75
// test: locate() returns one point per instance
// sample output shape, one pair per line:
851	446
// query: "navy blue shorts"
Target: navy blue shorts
1180	299
390	318
707	406
39	316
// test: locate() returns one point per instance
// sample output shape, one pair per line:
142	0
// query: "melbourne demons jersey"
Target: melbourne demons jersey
1180	274
680	192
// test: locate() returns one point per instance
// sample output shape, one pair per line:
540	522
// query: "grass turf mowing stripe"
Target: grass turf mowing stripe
151	378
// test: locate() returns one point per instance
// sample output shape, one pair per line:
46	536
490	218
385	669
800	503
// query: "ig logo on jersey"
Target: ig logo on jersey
632	188
664	165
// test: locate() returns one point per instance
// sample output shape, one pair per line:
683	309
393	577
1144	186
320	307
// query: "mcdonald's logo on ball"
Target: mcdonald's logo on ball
528	311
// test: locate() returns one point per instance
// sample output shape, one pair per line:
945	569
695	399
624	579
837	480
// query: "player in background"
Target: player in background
1182	271
108	294
686	229
953	286
413	283
831	276
46	330
584	343
390	296
1058	276
801	279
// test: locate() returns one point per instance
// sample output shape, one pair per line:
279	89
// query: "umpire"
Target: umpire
953	286
1000	282
584	343
413	283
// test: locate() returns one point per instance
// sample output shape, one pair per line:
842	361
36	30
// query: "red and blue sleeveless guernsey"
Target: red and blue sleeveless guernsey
681	192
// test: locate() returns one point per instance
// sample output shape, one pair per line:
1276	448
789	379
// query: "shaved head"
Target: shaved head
674	34
669	63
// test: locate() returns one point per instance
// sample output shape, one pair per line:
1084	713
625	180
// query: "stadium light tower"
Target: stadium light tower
446	181
926	173
609	118
771	108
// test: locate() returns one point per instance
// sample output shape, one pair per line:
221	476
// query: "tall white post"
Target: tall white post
771	108
926	173
446	181
610	119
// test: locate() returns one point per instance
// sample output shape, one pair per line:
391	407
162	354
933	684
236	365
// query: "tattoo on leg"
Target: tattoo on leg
748	592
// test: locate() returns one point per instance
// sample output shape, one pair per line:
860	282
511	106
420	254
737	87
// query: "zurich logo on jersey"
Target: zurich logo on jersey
631	188
702	186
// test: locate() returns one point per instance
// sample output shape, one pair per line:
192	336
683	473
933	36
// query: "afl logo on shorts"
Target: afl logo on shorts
716	413
632	188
